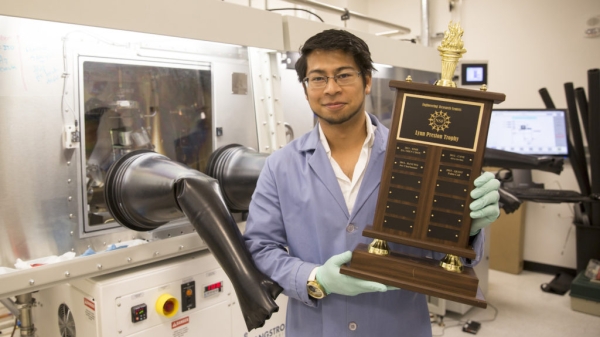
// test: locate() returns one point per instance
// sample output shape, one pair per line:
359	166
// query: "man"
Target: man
315	196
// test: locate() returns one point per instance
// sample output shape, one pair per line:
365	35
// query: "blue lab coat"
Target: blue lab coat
298	204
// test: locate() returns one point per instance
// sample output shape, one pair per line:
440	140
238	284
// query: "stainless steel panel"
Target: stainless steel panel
34	174
234	113
266	83
43	204
296	111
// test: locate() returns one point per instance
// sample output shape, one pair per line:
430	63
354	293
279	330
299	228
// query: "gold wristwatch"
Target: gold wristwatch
315	290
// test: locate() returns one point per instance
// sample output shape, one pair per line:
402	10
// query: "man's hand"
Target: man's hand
328	275
484	209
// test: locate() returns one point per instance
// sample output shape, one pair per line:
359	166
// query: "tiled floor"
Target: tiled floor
523	310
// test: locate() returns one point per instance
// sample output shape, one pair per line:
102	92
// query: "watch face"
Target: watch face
314	291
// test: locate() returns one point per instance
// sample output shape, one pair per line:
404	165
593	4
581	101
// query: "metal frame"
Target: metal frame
351	14
267	99
85	229
39	234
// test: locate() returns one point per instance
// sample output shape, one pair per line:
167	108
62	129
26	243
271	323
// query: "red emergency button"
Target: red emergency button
167	305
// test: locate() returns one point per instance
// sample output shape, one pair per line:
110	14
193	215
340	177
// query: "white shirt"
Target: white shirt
349	186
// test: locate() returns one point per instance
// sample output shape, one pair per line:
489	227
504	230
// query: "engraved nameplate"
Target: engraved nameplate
407	180
446	187
411	150
407	211
409	165
440	121
448	203
442	233
457	157
402	225
446	218
403	195
454	172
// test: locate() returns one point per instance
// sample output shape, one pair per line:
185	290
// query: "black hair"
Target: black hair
334	39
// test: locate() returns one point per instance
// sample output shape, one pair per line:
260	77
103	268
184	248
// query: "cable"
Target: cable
65	75
444	327
572	210
295	9
14	327
459	323
562	252
493	318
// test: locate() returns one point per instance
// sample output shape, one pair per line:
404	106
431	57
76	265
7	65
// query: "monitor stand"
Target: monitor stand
521	178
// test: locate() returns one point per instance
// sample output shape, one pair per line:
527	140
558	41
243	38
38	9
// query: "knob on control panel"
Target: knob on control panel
188	296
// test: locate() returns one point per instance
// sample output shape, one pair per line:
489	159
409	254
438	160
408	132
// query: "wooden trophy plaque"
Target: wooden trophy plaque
434	154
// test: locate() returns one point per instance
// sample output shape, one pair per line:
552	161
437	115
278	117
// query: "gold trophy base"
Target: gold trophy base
421	275
452	263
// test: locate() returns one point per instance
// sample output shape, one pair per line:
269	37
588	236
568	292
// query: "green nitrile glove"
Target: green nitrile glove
328	275
484	209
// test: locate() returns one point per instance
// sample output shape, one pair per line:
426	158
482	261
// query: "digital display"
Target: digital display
213	286
529	131
139	313
213	289
474	74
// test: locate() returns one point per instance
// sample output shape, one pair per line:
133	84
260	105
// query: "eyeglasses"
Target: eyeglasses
320	82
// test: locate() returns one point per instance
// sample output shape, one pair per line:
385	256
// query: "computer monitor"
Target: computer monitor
474	73
539	132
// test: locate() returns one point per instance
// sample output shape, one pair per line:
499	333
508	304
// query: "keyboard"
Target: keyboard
544	195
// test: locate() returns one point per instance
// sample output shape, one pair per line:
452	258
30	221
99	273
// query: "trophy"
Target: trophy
434	154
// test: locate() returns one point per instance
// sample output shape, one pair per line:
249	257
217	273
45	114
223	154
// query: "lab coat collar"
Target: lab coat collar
319	163
372	178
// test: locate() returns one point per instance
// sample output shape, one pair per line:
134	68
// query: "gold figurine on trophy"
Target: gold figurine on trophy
451	50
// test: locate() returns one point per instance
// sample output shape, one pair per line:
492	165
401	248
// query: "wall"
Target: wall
540	44
529	45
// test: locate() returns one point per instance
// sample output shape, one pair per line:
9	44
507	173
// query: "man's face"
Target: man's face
335	104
